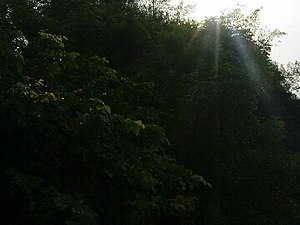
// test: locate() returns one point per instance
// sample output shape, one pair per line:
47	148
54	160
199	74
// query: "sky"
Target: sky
275	14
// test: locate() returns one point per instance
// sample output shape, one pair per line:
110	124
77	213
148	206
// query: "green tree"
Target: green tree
75	161
98	145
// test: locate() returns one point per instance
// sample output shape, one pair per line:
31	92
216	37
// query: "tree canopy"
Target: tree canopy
125	112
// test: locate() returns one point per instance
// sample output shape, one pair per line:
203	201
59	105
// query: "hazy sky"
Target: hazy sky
276	14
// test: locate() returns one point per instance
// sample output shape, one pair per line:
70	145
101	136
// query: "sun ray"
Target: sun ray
217	48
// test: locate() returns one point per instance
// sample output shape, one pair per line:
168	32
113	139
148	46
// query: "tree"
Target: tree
292	77
75	160
96	144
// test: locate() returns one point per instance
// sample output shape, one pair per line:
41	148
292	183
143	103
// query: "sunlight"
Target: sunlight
248	60
217	49
282	15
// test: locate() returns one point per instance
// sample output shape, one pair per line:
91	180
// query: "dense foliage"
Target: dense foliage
110	110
